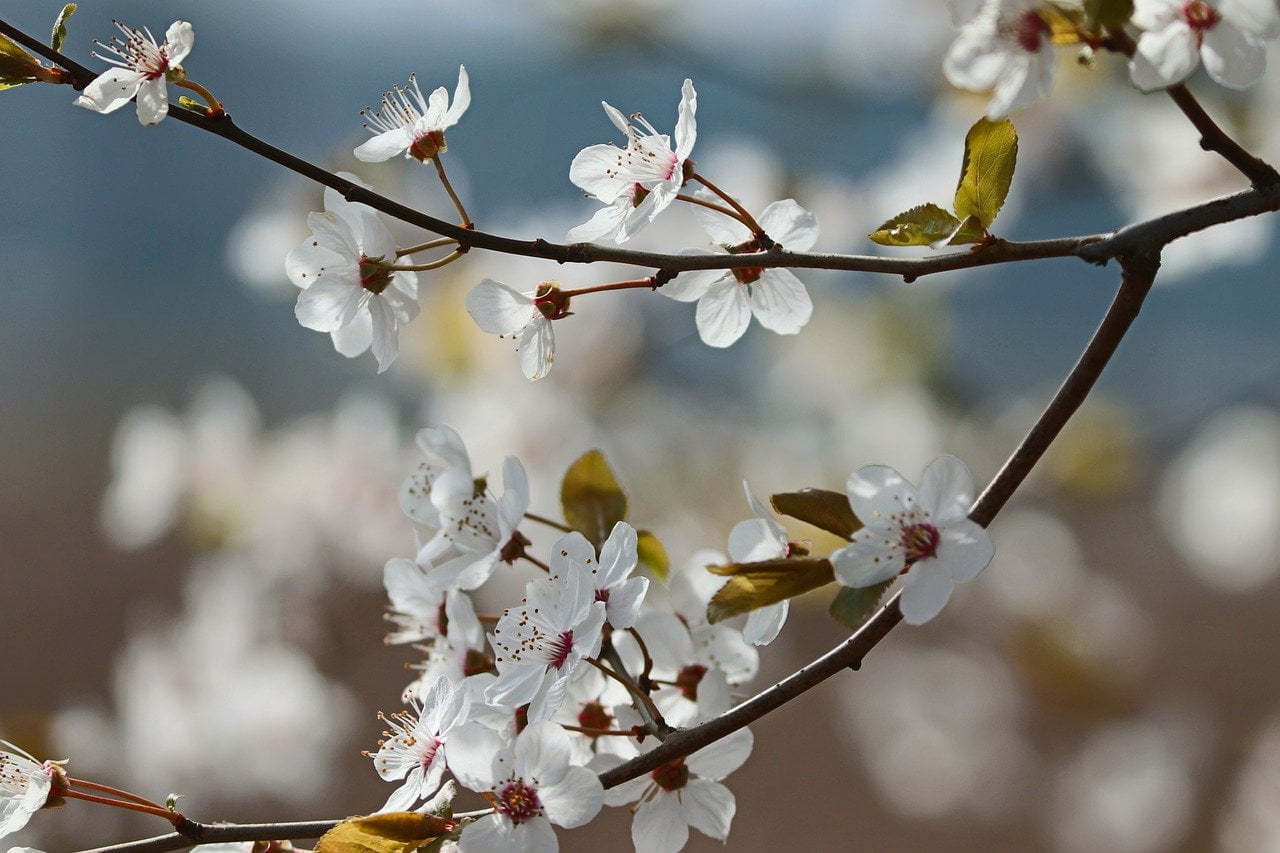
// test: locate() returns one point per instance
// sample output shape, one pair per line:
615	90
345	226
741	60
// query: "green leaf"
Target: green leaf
970	230
990	154
593	501
60	26
824	509
17	67
755	585
923	225
1106	14
394	832
653	555
853	605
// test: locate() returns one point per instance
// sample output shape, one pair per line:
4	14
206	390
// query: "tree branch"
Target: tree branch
1135	283
209	833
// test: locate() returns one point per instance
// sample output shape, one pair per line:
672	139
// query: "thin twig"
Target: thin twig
209	833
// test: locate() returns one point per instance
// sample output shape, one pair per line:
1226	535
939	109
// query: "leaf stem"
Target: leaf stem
542	519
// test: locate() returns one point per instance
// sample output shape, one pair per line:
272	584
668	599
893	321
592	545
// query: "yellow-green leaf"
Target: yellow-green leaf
824	509
990	154
755	585
653	555
969	230
922	225
852	605
395	832
17	67
593	501
60	26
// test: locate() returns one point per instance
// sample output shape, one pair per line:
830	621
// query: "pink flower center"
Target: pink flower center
519	802
920	541
689	678
560	648
428	753
672	776
550	301
1031	27
1200	16
748	275
602	595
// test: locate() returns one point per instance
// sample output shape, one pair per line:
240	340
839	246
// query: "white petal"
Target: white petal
723	313
490	834
575	799
498	309
355	337
659	826
542	753
1164	57
754	540
708	807
624	602
877	493
693	284
1155	14
924	592
974	62
178	41
606	222
1256	17
304	263
537	348
110	90
1232	57
472	752
723	230
686	126
869	559
384	146
592	170
1028	78
946	490
722	757
764	624
386	338
780	302
328	304
153	101
965	549
618	554
790	224
515	685
461	98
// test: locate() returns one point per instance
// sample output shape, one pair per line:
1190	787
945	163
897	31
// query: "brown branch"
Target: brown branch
201	833
1135	283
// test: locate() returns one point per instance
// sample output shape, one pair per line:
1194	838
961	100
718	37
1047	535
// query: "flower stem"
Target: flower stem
746	217
433	265
422	247
537	562
542	519
642	702
115	792
214	106
174	818
617	285
596	732
448	187
644	651
711	205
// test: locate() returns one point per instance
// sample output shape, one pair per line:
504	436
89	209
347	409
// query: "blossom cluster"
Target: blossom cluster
588	668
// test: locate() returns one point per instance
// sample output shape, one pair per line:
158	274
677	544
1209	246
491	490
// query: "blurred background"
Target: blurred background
199	495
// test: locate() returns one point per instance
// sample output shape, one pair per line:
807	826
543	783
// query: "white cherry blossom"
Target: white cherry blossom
1227	34
143	69
423	603
542	643
414	749
501	310
1005	46
25	786
760	538
348	287
413	125
610	577
532	785
728	299
639	180
682	793
923	534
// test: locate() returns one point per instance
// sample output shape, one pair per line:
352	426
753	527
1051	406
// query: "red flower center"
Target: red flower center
1030	29
672	776
560	648
688	680
1200	16
375	275
920	541
594	716
519	802
428	146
